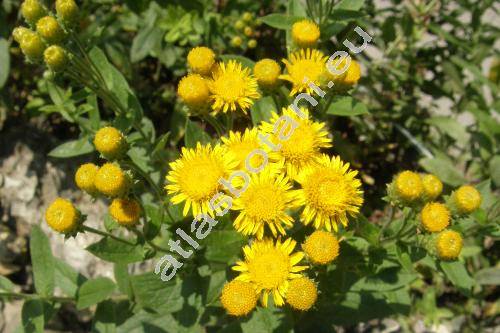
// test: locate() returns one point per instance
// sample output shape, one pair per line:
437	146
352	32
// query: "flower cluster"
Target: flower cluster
290	180
109	180
419	192
47	32
243	35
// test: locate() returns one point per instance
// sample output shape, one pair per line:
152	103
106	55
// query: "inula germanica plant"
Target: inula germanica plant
239	192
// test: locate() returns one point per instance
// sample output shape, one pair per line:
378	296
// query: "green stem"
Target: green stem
387	223
30	296
106	234
214	123
153	245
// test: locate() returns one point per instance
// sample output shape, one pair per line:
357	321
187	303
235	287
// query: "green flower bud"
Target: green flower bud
247	17
50	30
252	43
55	57
32	11
32	45
19	32
239	25
67	10
236	41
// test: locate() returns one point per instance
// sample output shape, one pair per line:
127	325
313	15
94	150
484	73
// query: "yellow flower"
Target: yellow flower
466	199
248	31
50	30
435	217
67	10
241	145
252	43
236	41
112	181
432	186
238	298
267	73
55	58
125	211
32	11
270	267
449	245
62	216
310	64
32	45
408	186
239	25
330	192
232	87
19	32
303	147
265	203
353	73
194	177
85	177
321	247
305	33
201	59
110	142
302	294
193	90
247	16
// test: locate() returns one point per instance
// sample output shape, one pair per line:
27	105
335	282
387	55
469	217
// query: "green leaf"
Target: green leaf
245	62
450	127
94	291
42	262
368	230
389	279
112	250
33	316
67	278
267	320
350	4
122	279
6	284
223	246
488	276
217	280
194	134
495	170
457	274
4	61
145	42
262	110
444	169
152	293
280	21
72	148
105	318
346	106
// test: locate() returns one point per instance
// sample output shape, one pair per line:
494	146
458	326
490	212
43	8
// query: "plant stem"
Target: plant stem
29	296
386	224
106	234
214	123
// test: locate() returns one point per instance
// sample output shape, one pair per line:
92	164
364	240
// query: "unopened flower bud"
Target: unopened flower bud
55	58
32	11
50	30
32	45
67	10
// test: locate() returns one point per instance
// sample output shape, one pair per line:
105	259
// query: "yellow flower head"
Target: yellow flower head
321	247
353	73
62	216
32	11
67	10
238	298
201	59
19	32
435	217
466	199
232	87
265	203
310	64
85	178
302	294
330	192
110	142
55	57
302	147
125	211
193	90
449	245
270	267
305	33
267	73
194	177
241	145
252	43
50	30
408	186
248	31
32	45
112	181
247	16
432	186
